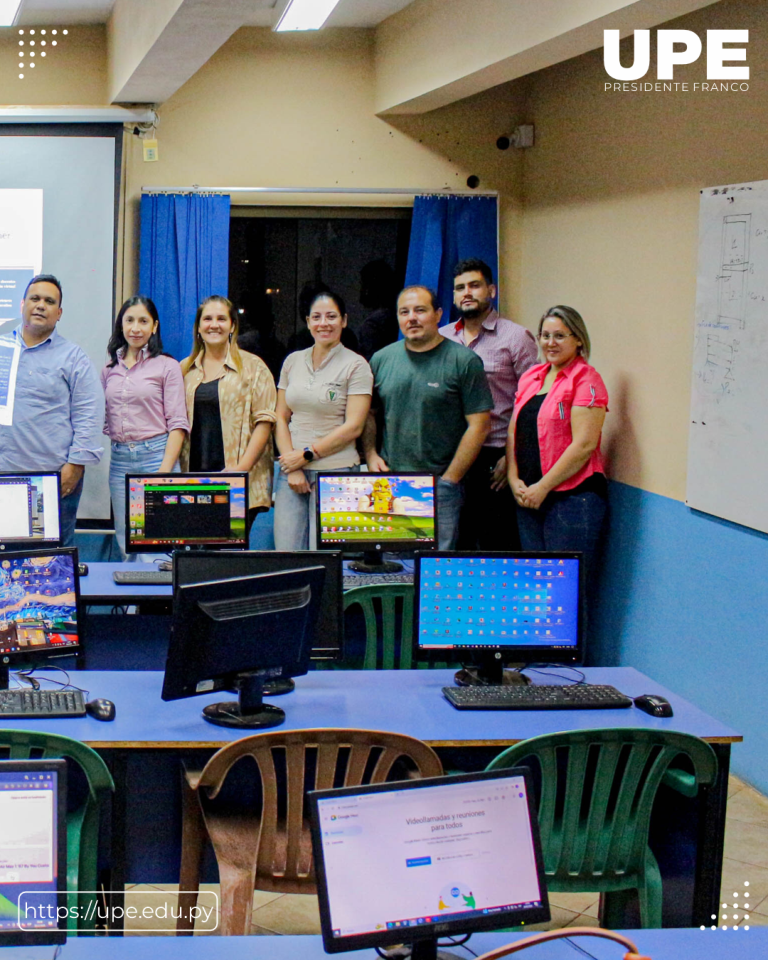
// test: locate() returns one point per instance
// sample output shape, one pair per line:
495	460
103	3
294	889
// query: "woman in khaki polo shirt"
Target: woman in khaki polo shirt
323	399
230	403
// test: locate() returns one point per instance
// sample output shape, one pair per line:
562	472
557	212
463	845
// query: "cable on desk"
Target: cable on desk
581	950
543	669
26	677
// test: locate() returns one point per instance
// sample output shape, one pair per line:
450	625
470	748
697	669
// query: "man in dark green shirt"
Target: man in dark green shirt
435	404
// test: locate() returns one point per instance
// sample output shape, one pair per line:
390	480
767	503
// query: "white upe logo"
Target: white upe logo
667	57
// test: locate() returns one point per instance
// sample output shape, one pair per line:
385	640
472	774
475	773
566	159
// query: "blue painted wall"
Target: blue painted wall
683	597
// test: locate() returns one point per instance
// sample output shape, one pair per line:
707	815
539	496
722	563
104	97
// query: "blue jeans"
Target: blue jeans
450	498
571	522
68	514
295	513
141	456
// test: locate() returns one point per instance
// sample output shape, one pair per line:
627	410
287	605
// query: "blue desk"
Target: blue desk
404	701
99	587
659	944
148	736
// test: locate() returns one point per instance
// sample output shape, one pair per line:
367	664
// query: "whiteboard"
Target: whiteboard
728	435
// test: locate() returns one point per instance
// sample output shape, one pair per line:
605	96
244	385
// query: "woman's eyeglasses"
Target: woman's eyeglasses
557	337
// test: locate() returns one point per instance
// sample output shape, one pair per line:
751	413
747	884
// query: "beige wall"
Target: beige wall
74	72
610	226
289	110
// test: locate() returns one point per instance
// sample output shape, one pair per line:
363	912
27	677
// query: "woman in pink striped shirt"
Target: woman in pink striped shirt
146	414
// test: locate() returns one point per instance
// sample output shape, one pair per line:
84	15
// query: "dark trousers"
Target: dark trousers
488	519
571	522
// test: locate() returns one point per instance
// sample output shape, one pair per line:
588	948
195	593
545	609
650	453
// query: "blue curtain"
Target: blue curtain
184	259
445	230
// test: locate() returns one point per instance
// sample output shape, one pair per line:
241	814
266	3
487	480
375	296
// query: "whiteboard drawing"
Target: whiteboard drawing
728	433
734	268
717	373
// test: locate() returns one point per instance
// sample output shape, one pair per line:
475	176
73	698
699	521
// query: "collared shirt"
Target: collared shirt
244	400
507	351
577	385
317	399
58	410
144	400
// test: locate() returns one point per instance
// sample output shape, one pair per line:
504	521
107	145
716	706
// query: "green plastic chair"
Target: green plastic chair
82	820
383	648
597	792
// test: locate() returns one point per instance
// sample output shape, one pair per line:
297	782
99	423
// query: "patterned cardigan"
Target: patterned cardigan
244	401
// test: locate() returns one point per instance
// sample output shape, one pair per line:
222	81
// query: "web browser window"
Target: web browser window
405	858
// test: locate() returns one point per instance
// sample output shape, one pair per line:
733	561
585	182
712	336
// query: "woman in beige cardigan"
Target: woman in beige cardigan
230	403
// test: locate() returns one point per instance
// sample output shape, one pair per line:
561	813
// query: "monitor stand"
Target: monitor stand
490	672
373	562
420	950
4	673
276	688
249	712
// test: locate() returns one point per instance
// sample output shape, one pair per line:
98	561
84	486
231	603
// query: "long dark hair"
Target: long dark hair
117	340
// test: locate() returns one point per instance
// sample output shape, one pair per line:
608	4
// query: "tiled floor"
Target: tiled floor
746	860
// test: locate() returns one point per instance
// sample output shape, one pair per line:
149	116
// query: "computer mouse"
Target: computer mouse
654	704
100	709
82	569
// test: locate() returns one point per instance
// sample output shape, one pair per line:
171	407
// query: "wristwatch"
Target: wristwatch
309	454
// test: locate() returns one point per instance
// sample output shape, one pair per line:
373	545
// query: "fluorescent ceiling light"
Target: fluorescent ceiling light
304	14
8	11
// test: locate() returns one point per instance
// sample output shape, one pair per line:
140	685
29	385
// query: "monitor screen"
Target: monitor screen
376	511
171	511
29	510
202	565
528	606
412	860
33	852
39	605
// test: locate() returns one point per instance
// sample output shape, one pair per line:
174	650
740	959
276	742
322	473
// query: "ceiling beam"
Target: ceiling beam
155	46
431	53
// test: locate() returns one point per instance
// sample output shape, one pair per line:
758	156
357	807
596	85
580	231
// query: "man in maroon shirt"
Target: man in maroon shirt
507	349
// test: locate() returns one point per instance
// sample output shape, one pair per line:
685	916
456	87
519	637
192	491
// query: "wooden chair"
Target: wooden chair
268	847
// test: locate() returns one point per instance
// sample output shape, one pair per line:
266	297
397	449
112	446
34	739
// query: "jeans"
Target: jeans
140	456
565	522
450	497
296	513
68	515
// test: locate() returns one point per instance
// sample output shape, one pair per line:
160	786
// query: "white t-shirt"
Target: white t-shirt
317	399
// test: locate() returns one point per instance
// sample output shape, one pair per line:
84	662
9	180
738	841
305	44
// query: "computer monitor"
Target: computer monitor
239	633
30	510
411	861
33	852
182	511
40	613
492	609
374	512
202	565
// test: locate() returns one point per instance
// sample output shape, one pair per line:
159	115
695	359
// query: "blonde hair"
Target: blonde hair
575	323
198	345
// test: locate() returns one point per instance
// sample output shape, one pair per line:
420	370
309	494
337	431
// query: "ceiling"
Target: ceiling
349	13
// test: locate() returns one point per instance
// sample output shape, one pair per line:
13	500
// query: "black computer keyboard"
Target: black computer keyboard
584	696
373	579
41	703
145	577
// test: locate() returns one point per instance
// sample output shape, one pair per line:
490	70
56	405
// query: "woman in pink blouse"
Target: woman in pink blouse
146	414
554	465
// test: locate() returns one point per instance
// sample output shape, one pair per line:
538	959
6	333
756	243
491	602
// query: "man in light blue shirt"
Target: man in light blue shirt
58	412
